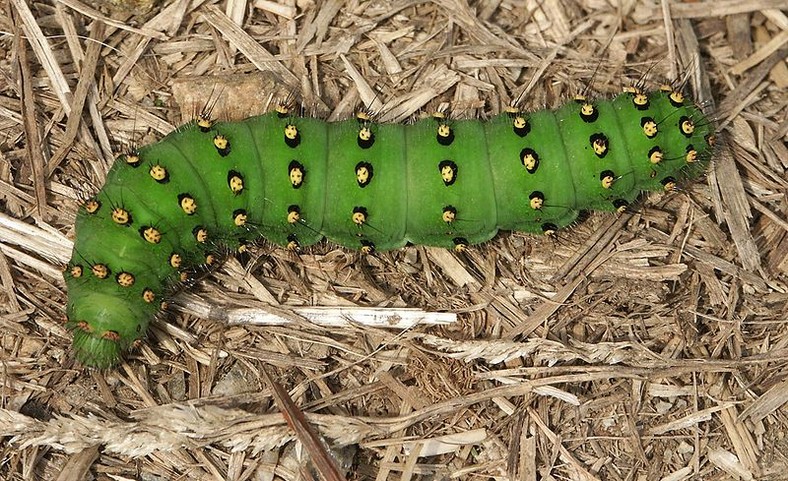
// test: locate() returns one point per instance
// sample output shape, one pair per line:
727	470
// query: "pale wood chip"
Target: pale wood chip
93	13
452	267
767	403
689	420
256	54
276	8
728	462
761	54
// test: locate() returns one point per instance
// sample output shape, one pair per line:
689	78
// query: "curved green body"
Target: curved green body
363	185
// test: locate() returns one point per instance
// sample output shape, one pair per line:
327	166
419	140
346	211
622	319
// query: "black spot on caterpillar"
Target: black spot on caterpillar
173	206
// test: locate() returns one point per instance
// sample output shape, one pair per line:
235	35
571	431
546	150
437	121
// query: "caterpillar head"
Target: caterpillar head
103	330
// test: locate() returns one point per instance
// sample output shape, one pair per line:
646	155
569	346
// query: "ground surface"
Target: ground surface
645	346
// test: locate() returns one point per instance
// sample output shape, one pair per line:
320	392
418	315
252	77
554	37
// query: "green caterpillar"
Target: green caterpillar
174	206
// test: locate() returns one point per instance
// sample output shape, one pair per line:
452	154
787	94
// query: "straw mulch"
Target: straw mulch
644	346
